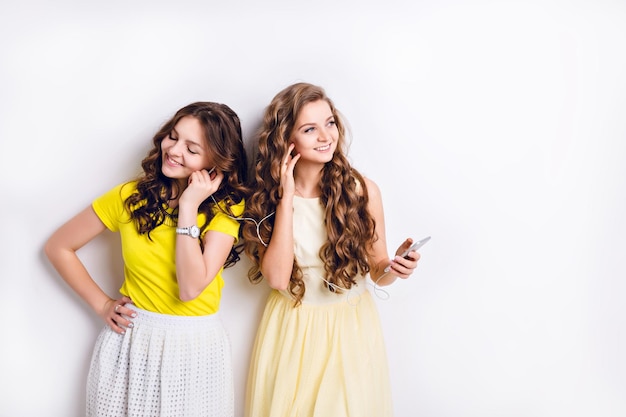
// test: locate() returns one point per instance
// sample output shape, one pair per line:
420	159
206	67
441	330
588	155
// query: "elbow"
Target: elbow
186	295
189	293
49	249
280	287
278	284
277	278
191	287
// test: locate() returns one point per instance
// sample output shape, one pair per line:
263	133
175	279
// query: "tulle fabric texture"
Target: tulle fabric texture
319	360
174	366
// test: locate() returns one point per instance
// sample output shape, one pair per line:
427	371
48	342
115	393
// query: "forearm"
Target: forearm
378	256
277	262
192	272
379	276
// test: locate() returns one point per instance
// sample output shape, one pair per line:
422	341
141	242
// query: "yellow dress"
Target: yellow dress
326	357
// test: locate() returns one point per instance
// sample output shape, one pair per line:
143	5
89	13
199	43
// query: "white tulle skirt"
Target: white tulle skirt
174	366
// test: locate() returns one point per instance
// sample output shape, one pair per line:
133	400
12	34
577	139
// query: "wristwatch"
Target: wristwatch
193	231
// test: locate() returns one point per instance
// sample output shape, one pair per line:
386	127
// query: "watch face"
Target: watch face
194	231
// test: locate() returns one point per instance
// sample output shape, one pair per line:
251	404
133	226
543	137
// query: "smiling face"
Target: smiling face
184	150
315	133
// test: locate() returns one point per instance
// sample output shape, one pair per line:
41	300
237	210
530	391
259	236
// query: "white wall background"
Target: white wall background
497	127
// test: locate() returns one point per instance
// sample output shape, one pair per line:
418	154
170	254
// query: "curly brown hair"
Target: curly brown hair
349	225
148	206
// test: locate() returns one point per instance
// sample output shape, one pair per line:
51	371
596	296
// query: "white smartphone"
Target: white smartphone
415	246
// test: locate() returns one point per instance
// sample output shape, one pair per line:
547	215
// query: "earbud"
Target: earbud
258	224
378	291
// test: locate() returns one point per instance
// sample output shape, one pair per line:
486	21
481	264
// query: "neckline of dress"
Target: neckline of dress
306	198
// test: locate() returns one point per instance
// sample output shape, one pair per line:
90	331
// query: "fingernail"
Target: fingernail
134	315
131	325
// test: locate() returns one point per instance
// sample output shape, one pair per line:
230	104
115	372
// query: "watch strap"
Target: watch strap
192	231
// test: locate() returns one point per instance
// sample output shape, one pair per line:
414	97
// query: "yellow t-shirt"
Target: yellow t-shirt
149	264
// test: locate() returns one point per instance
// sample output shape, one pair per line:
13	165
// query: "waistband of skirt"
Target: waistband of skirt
169	320
319	295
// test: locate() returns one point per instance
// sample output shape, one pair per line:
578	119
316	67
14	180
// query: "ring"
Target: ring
116	307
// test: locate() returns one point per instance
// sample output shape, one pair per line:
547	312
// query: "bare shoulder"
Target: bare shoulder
372	188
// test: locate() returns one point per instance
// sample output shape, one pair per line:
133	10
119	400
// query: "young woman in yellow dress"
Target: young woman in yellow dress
319	350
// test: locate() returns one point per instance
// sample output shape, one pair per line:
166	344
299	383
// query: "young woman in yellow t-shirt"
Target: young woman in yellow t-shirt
164	351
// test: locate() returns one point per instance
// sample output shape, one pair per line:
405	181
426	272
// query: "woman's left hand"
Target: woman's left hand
202	184
404	267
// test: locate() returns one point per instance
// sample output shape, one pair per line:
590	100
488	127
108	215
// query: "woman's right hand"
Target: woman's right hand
287	184
116	315
201	185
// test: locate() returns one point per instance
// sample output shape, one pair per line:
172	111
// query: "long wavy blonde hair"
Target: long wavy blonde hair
349	225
